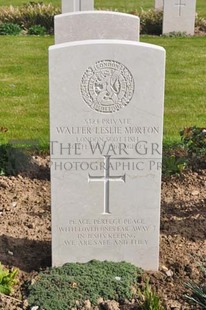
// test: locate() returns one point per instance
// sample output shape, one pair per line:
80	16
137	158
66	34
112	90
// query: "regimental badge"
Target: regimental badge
107	87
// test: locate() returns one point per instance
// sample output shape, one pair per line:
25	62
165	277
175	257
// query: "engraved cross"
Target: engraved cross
106	178
180	5
77	5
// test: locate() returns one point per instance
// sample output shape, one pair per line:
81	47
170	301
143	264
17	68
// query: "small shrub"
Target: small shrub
10	29
200	23
151	22
173	165
8	279
13	160
194	141
5	150
60	288
37	30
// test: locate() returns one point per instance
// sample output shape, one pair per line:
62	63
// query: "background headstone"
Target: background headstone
179	16
96	25
106	119
77	5
159	4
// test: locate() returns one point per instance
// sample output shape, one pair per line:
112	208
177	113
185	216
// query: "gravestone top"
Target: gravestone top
179	16
77	5
96	25
106	119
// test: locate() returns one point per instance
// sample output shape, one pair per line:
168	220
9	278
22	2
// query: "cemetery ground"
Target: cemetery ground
25	241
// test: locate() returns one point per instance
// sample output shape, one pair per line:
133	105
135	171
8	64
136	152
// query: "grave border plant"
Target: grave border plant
10	29
38	14
75	284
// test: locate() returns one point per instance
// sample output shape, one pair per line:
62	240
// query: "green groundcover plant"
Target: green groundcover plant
71	285
61	288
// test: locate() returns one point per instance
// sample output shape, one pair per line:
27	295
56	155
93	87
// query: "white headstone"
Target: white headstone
77	5
159	4
106	119
179	16
96	25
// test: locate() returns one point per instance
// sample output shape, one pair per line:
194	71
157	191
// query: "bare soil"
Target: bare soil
25	233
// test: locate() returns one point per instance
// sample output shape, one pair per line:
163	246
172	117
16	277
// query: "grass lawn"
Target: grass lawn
185	83
24	86
121	5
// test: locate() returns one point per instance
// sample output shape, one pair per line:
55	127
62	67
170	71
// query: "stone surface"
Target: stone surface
159	4
77	5
96	25
106	116
179	16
